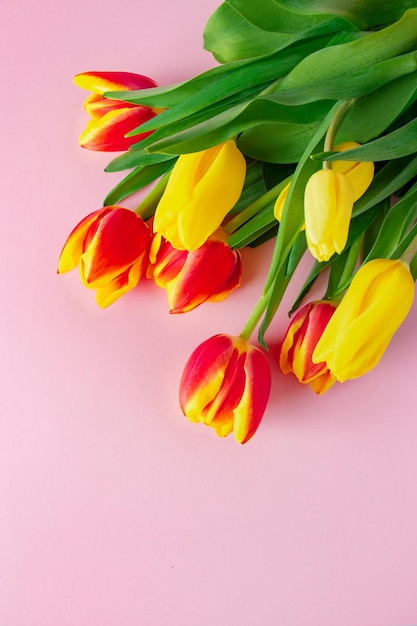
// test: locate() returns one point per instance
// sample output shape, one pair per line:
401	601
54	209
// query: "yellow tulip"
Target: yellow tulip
359	173
373	308
328	203
201	190
280	202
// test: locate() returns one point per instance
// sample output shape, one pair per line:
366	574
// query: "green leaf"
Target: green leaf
239	29
215	128
238	85
276	142
346	63
389	179
359	82
135	158
400	143
366	14
395	227
370	115
135	180
253	228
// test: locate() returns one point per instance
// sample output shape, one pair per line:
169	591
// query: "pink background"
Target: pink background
115	510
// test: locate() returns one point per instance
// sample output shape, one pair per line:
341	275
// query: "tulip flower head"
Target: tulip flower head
373	308
299	342
110	246
359	173
111	120
201	190
208	274
226	384
280	203
328	204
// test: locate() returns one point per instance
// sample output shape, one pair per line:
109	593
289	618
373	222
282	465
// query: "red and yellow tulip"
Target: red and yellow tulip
225	385
207	274
373	308
111	119
111	248
299	342
201	190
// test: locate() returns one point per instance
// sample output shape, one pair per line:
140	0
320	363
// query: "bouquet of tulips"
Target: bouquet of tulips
305	131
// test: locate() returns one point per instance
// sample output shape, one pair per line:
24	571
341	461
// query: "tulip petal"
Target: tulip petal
100	82
120	285
112	246
359	174
97	106
203	374
204	274
107	133
233	281
249	412
74	245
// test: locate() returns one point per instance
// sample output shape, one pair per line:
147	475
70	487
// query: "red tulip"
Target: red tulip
111	247
207	274
301	338
111	119
226	384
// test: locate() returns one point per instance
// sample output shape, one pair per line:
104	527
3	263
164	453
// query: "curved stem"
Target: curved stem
334	127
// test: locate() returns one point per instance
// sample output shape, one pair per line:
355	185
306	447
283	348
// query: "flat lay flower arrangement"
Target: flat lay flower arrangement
305	132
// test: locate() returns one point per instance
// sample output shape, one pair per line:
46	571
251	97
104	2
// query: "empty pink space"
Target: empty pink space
115	509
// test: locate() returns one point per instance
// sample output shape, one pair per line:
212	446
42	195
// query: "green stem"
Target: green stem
254	208
255	316
334	127
146	208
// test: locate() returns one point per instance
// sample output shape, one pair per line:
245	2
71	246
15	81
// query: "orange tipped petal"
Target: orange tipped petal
120	285
100	82
300	341
248	414
107	133
112	246
74	245
97	106
207	272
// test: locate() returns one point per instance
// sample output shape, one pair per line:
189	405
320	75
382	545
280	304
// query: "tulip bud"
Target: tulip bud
110	246
111	120
373	308
209	273
359	173
201	190
226	384
328	203
280	202
299	342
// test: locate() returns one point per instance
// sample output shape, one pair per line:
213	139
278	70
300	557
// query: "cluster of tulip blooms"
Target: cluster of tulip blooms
304	132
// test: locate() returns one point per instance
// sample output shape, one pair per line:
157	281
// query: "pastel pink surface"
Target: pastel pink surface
115	510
